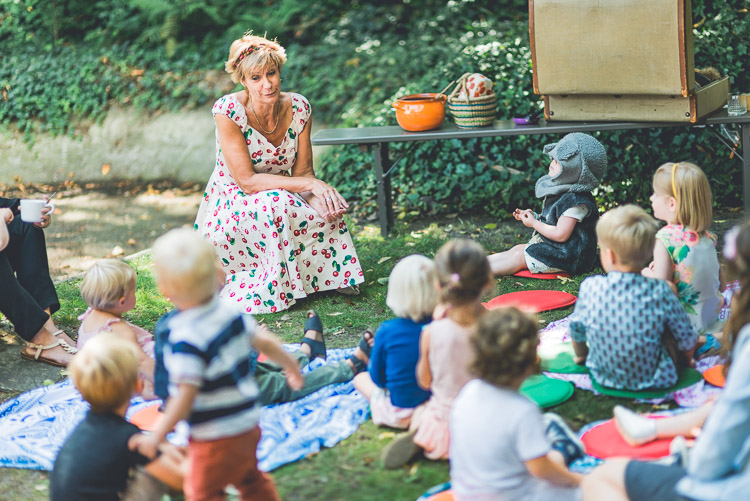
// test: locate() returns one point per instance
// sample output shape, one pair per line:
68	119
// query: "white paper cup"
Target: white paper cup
31	210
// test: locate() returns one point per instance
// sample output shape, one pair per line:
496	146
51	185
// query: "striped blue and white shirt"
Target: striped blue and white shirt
209	346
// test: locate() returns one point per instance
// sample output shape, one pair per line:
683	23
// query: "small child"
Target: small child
444	353
564	238
391	383
108	287
95	461
685	251
629	320
501	446
211	374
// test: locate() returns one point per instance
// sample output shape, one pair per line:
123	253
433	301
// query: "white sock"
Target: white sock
634	428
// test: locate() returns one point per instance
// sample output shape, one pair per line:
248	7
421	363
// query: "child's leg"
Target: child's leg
214	464
363	384
638	430
253	484
508	262
606	482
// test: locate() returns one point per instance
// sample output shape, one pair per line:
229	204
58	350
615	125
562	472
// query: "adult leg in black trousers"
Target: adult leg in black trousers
28	296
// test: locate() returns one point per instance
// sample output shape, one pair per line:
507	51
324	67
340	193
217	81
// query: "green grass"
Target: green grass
351	469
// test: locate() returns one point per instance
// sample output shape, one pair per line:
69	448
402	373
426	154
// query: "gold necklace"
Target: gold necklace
278	114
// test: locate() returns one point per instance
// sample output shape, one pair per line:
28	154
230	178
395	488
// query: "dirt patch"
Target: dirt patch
116	219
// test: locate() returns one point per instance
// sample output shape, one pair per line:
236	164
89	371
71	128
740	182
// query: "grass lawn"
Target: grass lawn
351	469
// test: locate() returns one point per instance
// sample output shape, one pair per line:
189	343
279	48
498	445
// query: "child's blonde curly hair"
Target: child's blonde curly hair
504	345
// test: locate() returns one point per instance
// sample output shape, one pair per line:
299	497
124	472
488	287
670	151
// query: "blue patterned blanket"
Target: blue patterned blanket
34	425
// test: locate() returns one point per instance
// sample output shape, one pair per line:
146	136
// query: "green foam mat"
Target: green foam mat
559	358
687	377
545	391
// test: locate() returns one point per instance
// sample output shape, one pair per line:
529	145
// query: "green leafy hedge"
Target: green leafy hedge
64	64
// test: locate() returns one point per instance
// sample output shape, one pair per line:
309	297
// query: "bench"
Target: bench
378	139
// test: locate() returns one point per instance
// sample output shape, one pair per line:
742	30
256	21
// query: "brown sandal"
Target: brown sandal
37	357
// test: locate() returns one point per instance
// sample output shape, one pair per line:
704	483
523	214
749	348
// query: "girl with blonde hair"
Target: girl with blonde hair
108	287
685	251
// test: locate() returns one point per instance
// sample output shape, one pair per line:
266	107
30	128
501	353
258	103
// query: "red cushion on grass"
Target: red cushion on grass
442	496
542	276
604	441
145	419
715	375
534	301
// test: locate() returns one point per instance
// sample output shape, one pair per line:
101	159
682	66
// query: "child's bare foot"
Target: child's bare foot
313	343
361	356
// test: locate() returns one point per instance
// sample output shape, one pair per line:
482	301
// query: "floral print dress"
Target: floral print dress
273	246
696	273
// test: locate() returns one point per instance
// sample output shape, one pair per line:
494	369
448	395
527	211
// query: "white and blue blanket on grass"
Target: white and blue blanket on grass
34	425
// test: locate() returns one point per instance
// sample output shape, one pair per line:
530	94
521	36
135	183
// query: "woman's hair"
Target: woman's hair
463	271
106	282
737	253
689	186
504	344
185	264
411	288
105	371
630	232
252	53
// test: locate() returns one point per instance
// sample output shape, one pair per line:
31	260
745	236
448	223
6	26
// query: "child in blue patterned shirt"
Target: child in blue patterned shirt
638	334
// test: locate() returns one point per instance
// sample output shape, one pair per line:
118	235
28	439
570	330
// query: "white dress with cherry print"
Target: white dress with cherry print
273	246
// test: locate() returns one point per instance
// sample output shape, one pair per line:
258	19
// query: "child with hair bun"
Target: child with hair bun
501	446
564	237
108	288
463	276
685	251
390	385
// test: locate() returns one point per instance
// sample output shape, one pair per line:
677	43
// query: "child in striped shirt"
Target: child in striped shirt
211	373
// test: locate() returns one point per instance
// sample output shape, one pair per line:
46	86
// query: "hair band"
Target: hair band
244	54
455	278
674	169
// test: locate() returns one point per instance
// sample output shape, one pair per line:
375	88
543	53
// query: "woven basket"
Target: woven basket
471	112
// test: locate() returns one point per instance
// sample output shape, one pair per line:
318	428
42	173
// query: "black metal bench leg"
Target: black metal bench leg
745	141
383	180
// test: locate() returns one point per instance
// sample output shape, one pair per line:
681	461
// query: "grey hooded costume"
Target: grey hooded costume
583	162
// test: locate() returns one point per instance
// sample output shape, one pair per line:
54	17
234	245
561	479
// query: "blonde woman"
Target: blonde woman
277	229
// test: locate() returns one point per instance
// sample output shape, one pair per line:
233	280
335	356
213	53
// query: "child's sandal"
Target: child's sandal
313	323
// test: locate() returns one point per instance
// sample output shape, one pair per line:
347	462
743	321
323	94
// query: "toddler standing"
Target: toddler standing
444	353
501	446
564	238
108	287
391	383
208	359
628	320
685	251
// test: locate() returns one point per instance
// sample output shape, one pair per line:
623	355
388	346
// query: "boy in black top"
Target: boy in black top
96	462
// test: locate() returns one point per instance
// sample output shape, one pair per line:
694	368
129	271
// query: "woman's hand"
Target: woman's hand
335	204
46	216
6	215
321	207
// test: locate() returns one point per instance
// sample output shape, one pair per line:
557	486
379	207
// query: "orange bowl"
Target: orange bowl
417	112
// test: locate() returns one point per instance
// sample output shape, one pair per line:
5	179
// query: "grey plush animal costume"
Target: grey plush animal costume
583	162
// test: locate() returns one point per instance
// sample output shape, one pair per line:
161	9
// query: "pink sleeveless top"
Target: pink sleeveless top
145	338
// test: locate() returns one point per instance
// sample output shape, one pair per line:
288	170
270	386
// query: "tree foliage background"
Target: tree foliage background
64	63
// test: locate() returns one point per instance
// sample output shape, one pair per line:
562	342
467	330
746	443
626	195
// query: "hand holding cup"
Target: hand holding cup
36	211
